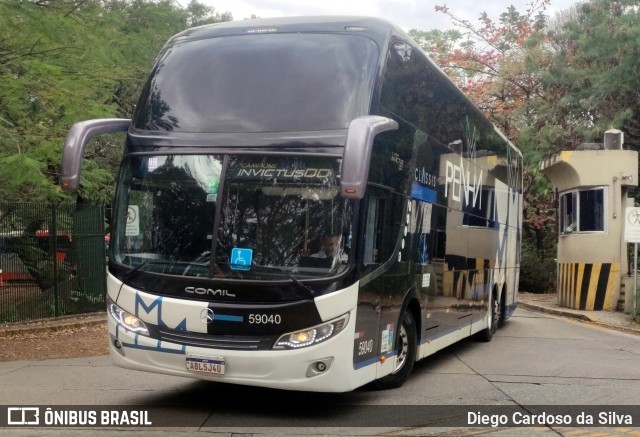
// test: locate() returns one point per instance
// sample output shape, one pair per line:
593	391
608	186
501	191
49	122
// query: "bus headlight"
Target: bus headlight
126	320
314	335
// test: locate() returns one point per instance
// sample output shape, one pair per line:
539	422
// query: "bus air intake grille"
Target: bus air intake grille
234	342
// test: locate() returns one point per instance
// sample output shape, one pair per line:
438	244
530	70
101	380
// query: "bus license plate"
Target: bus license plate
211	365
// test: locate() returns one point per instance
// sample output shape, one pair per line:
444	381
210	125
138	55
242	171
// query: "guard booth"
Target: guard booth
593	184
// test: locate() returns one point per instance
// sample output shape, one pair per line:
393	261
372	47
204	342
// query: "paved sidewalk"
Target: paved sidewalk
52	324
548	303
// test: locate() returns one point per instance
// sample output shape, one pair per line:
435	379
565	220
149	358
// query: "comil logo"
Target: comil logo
23	416
209	291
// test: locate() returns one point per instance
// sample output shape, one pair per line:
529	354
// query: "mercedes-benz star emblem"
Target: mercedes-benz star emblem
206	315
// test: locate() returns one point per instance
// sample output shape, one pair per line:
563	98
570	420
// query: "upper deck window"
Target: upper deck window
260	83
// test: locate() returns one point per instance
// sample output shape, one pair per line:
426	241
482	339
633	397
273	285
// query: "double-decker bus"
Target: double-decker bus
258	146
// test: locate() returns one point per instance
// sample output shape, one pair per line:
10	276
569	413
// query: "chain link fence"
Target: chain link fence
52	260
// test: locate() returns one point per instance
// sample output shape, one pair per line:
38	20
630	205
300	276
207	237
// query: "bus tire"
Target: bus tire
494	319
406	346
503	310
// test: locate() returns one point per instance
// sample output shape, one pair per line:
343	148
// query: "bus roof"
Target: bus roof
376	28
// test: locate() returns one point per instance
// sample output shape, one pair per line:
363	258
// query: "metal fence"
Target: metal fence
52	260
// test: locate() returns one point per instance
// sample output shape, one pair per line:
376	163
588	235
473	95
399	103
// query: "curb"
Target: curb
556	312
578	316
53	325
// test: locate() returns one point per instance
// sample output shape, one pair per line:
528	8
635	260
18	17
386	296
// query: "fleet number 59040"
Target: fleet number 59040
265	319
365	347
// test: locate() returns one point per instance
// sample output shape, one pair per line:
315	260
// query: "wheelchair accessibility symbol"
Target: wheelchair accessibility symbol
241	258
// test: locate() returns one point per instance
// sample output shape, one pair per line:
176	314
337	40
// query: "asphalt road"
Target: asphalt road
535	361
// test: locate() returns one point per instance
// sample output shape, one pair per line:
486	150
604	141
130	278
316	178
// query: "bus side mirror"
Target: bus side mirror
357	153
75	142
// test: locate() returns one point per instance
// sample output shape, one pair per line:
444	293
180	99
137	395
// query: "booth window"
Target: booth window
582	211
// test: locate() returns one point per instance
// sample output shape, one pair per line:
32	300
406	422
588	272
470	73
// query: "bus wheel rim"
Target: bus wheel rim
403	350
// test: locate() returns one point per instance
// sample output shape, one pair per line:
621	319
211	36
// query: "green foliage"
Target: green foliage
64	61
539	247
595	72
537	275
23	179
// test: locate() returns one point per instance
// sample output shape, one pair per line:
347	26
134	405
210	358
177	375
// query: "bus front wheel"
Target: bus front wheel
406	349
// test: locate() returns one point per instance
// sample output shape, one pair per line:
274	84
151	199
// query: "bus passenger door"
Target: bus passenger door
383	276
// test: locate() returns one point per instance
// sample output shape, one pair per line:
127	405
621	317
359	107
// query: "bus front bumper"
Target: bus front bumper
325	367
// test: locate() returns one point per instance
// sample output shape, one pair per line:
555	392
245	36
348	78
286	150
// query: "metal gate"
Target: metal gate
52	260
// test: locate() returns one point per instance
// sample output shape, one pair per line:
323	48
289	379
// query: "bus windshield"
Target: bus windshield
274	218
260	83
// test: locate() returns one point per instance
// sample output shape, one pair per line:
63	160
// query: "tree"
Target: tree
63	61
595	71
496	64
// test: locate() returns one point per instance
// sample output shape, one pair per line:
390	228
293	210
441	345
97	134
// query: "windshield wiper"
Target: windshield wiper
148	262
312	293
